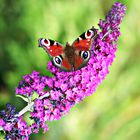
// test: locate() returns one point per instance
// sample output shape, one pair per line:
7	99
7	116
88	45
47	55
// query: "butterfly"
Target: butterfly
72	57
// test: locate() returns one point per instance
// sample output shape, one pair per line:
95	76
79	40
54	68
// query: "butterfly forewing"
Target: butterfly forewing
83	42
52	47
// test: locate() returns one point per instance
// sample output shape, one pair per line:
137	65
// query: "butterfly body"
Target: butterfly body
70	53
71	57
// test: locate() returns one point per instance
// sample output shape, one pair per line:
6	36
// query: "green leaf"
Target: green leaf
24	98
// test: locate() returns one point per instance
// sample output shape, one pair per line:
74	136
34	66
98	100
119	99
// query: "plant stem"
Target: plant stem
30	106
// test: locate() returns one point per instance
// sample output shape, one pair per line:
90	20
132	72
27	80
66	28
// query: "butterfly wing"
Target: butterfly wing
53	48
56	52
83	42
83	46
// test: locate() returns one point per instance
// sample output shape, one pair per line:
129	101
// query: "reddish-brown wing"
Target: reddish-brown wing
56	52
83	42
53	48
82	47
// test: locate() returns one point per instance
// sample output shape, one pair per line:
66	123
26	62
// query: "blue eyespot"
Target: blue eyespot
57	61
85	55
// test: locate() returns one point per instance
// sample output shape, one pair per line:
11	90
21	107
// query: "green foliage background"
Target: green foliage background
113	111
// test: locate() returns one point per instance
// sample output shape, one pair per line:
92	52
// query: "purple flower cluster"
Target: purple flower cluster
31	83
65	89
15	128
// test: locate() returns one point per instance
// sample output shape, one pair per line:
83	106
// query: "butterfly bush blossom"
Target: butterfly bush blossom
49	98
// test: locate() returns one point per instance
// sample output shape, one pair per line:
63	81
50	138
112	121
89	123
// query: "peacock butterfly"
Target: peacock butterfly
71	57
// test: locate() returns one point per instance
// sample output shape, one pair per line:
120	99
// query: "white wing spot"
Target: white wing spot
42	41
46	44
90	35
50	50
55	43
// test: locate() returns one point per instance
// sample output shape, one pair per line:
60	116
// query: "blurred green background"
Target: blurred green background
113	111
